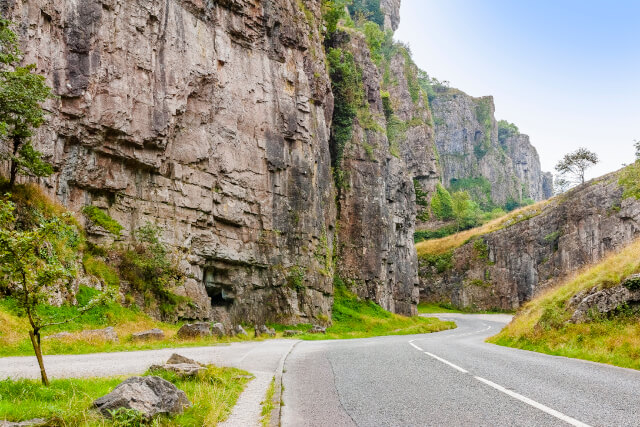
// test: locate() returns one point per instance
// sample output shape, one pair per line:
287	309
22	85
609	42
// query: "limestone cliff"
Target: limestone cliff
534	249
466	135
213	121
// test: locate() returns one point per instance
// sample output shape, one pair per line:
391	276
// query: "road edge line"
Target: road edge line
276	414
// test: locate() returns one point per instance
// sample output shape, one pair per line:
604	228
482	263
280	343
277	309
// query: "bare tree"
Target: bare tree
575	164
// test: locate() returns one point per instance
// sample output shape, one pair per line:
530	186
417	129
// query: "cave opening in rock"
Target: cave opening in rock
219	297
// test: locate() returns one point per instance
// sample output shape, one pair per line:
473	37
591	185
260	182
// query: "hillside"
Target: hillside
512	259
593	315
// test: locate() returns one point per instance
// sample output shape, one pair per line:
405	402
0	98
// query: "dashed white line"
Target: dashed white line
464	371
531	402
540	406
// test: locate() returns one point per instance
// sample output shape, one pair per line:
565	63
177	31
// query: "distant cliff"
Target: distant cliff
534	248
469	146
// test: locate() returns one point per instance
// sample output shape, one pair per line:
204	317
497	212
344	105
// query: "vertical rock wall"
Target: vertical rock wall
210	119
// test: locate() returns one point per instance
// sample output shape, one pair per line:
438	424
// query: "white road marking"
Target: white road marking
513	394
540	406
464	371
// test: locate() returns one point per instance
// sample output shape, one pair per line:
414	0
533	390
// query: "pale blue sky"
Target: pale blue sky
566	72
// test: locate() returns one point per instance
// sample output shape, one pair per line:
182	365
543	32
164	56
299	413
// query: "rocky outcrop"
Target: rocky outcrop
466	135
391	10
534	250
598	302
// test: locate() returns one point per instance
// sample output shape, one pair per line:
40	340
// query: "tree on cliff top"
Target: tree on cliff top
21	93
574	164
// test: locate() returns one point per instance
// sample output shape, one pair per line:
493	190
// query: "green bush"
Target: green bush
441	262
466	212
441	203
100	218
368	10
629	180
148	267
506	130
479	188
348	93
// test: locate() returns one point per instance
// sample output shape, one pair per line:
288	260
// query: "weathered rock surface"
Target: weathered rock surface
151	334
176	359
195	330
210	119
106	334
239	330
218	330
466	135
180	369
148	395
505	268
291	333
58	336
604	301
265	330
377	202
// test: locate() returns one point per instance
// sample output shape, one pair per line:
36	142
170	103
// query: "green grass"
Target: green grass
14	335
356	318
541	325
268	403
68	402
427	308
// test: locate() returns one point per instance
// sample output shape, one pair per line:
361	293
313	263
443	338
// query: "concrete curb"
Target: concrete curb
277	395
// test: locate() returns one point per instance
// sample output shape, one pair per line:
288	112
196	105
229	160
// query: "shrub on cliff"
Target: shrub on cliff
442	204
21	93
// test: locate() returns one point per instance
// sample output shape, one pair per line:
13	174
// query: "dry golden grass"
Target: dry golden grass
13	330
541	324
439	246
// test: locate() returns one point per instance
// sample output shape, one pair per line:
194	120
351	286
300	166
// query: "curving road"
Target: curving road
451	378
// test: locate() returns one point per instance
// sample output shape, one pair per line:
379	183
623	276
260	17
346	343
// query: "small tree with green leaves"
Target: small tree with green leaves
573	165
441	203
33	262
21	93
465	211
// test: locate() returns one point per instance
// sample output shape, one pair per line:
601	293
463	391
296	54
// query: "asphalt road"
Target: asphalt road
451	378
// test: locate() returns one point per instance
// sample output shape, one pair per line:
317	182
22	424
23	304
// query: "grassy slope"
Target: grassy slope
68	401
439	246
540	324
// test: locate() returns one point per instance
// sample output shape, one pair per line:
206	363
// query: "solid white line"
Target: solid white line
535	404
464	371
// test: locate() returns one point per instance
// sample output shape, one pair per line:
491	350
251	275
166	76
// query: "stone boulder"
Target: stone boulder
317	329
291	333
218	330
107	334
239	330
181	369
176	359
148	395
265	330
594	301
151	334
58	336
195	330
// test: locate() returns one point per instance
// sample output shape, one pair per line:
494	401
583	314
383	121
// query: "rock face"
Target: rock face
149	395
466	135
376	204
391	10
505	268
210	119
195	330
151	334
604	301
